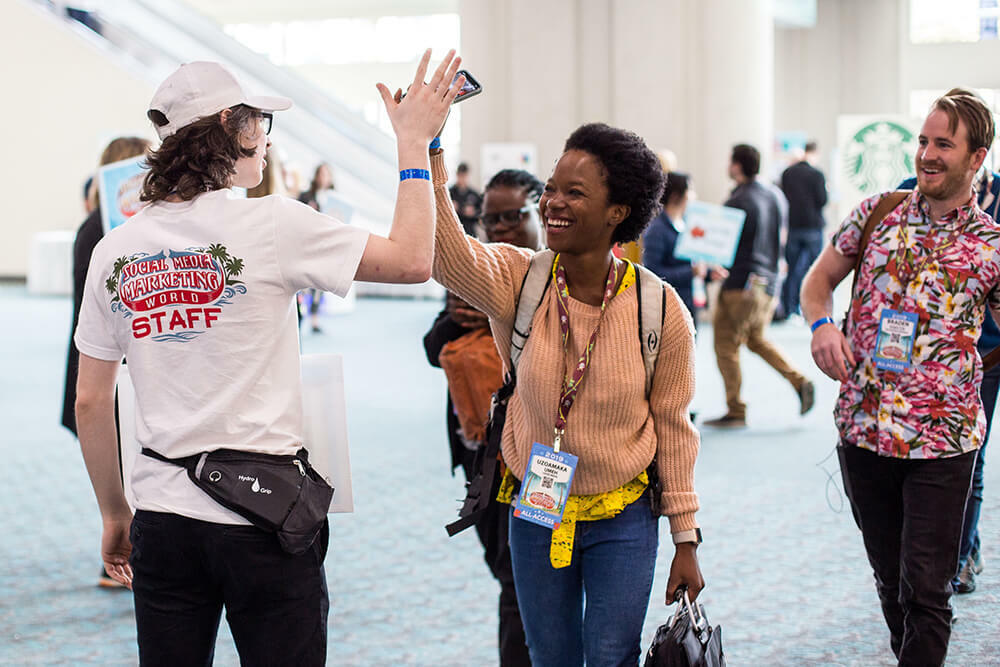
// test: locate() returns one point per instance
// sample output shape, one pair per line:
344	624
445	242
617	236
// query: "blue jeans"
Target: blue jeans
970	529
611	569
801	250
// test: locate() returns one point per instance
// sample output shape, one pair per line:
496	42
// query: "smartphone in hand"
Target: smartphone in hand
469	89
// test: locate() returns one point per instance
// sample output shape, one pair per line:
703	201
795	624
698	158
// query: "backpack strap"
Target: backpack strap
885	206
652	309
533	287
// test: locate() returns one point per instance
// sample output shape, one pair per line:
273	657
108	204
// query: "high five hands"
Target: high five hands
422	112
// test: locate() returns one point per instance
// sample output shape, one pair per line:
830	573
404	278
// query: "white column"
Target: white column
732	100
694	76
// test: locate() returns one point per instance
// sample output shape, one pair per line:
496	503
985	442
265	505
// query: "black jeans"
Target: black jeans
910	515
186	570
492	529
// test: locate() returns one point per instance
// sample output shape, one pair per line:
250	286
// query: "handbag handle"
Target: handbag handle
698	621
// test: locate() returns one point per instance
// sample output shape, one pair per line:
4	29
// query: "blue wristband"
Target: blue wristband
820	322
414	173
436	144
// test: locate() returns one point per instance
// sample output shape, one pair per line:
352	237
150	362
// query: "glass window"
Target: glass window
935	21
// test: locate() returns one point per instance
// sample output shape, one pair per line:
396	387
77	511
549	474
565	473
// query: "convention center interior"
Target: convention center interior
381	248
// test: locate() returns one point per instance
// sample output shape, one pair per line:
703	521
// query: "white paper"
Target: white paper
711	233
325	426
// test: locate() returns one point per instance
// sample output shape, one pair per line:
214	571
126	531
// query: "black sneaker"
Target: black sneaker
807	396
966	580
726	421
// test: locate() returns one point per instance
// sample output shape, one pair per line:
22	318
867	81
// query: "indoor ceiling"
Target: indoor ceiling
268	11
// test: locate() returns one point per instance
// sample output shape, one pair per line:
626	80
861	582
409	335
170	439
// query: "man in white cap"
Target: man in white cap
198	291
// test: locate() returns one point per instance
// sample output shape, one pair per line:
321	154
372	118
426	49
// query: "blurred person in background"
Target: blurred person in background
747	299
271	182
89	233
466	200
805	188
461	335
322	182
660	241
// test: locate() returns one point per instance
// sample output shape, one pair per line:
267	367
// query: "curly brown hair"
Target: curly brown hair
200	157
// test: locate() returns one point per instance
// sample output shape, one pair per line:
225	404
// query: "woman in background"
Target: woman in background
322	182
89	233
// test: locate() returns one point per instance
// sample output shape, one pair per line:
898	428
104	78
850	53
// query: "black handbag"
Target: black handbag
687	639
280	494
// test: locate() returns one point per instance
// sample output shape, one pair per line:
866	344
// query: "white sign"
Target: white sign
325	426
119	185
494	157
711	233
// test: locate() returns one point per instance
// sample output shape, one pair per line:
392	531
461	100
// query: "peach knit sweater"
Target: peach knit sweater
612	427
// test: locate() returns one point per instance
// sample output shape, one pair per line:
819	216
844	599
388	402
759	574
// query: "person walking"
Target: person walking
805	189
746	300
909	415
583	587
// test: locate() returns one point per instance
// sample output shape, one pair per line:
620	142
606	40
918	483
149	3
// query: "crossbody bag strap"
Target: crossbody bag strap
885	206
533	287
191	463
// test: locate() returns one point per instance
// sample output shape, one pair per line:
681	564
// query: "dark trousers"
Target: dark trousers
970	529
801	250
910	515
186	571
492	529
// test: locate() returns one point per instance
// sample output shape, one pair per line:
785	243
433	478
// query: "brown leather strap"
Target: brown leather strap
885	206
993	358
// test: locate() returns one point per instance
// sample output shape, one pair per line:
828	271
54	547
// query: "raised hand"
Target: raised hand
420	114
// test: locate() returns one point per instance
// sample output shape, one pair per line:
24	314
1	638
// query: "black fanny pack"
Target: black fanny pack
280	494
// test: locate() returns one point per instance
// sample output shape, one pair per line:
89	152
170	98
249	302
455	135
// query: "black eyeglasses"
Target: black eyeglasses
511	217
266	120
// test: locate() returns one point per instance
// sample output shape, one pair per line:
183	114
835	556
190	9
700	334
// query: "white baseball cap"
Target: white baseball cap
200	89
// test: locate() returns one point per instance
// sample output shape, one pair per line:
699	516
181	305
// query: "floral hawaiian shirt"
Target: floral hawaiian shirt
945	271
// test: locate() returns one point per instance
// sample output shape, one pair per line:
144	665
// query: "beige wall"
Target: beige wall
851	62
694	76
71	100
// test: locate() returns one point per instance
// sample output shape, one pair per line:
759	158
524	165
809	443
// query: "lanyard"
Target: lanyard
932	253
572	381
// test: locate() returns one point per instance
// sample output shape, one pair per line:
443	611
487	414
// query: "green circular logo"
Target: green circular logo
879	156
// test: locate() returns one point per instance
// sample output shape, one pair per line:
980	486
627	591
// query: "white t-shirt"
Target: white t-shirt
199	296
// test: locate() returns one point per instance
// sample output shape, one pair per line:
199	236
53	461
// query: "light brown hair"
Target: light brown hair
963	104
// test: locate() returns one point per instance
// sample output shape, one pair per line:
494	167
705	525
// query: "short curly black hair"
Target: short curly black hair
518	179
632	173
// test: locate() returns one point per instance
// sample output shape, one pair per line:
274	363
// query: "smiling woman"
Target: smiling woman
581	372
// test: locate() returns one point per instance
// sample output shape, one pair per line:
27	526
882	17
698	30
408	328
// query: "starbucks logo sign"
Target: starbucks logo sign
878	156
